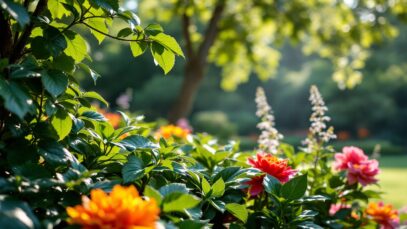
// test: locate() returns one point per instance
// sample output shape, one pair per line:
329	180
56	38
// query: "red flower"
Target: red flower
271	165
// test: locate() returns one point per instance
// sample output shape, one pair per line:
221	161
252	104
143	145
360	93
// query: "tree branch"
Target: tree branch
22	41
186	23
211	32
113	37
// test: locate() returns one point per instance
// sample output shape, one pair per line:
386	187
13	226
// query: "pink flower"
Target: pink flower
336	207
364	173
350	154
360	169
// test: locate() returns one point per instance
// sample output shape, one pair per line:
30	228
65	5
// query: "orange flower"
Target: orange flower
384	215
123	208
113	118
172	131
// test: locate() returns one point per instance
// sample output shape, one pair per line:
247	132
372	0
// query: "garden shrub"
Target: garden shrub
67	164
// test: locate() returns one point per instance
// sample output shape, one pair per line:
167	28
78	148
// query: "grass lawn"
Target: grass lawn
393	180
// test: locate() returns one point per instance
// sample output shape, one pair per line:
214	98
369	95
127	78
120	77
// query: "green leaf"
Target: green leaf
62	123
77	48
54	153
238	210
17	214
271	184
168	42
178	202
173	188
107	5
99	24
54	81
16	11
295	188
51	43
137	142
192	224
206	187
218	189
94	95
154	194
228	174
16	99
95	76
93	115
138	48
133	169
124	32
64	63
57	9
154	29
163	57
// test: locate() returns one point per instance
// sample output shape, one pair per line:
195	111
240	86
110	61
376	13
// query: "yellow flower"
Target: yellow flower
123	208
172	131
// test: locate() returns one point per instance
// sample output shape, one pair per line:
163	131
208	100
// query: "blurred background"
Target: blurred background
371	114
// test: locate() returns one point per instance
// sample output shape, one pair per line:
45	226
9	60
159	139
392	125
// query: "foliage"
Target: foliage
250	31
56	148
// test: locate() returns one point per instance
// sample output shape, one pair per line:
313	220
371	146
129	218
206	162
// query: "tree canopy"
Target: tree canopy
250	32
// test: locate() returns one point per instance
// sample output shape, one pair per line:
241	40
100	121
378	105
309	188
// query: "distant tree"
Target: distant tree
241	36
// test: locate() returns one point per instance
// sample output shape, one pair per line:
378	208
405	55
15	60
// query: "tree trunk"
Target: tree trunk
6	42
193	75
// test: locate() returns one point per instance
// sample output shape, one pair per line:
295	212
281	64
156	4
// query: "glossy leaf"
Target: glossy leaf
238	210
54	81
295	188
133	169
62	123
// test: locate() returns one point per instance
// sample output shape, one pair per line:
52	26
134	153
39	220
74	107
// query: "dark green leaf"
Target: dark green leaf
54	153
16	99
192	224
125	32
94	116
133	169
64	63
173	188
17	215
16	11
271	184
295	188
107	5
138	142
54	81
